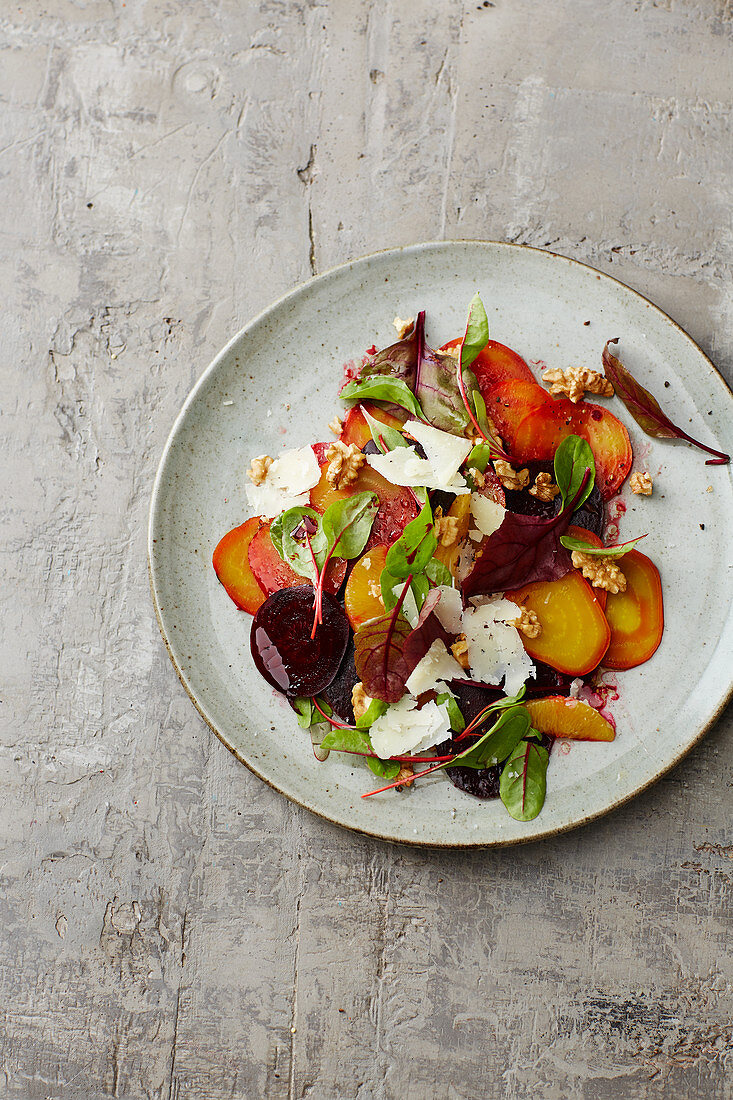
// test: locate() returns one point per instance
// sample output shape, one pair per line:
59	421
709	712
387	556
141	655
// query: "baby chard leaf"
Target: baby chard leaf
375	710
379	657
414	548
347	523
386	438
457	721
646	410
399	360
477	332
572	458
497	743
523	782
357	742
383	388
571	544
288	534
438	573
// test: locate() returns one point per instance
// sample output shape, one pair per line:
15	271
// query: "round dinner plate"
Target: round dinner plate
274	386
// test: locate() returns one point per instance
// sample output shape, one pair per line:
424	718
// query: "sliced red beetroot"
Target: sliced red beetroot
282	647
272	573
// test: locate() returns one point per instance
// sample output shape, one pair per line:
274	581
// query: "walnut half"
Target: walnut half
601	572
575	381
509	477
527	623
258	469
344	463
641	484
544	487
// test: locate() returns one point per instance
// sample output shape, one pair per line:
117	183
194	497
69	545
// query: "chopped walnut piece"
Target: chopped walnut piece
478	478
359	700
527	623
544	487
344	463
447	530
375	590
258	469
459	649
405	776
641	484
601	572
336	425
403	327
509	477
575	381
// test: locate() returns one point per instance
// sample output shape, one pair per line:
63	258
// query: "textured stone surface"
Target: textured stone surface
169	926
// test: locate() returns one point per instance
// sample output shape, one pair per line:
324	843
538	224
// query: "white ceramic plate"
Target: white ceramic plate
274	386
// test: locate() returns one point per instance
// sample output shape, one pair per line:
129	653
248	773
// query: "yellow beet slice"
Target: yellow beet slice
360	603
575	634
569	718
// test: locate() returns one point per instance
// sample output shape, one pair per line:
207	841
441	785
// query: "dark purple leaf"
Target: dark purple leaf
379	654
427	631
523	550
398	360
645	408
436	386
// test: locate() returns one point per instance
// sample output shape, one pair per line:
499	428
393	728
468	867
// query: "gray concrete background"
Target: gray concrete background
169	926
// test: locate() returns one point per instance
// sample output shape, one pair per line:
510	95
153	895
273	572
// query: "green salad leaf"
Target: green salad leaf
523	782
572	458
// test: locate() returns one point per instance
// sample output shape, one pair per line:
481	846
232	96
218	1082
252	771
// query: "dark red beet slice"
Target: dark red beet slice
282	648
590	515
338	694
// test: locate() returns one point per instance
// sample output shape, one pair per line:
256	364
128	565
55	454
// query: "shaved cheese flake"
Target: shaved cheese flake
487	514
403	466
495	649
287	483
449	609
403	729
436	667
444	452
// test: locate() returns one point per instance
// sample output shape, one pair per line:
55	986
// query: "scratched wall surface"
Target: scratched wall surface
169	926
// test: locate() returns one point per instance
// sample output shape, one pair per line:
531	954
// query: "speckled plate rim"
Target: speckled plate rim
498	842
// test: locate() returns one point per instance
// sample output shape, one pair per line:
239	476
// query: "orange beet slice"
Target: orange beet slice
569	718
273	573
356	429
575	634
495	364
231	565
361	605
510	402
542	430
636	616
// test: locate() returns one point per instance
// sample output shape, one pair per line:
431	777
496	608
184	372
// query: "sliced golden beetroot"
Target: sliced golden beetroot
362	594
495	364
356	430
397	505
569	718
273	573
231	565
636	616
510	402
460	509
543	429
575	634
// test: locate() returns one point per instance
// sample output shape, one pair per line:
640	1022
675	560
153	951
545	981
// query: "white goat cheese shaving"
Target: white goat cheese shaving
495	649
487	514
435	668
403	466
403	729
286	484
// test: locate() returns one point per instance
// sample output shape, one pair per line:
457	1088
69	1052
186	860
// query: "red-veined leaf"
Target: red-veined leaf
645	408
